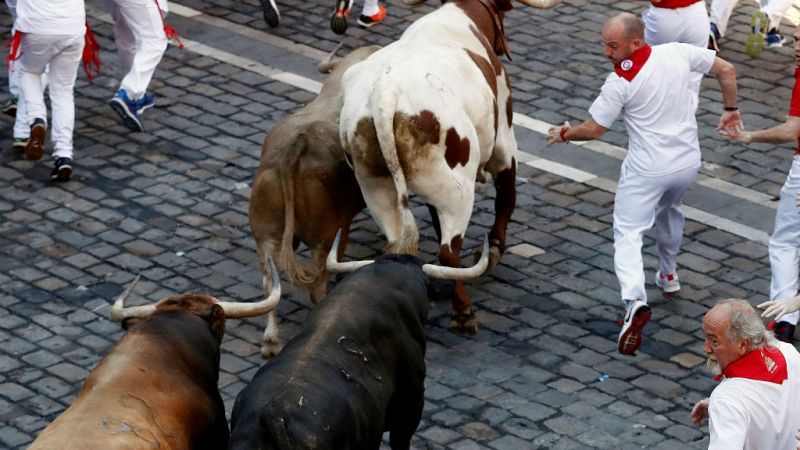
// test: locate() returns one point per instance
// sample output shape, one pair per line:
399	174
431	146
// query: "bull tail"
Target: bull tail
298	272
383	101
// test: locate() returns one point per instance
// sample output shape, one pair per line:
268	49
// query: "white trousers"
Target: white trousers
62	54
141	42
720	12
784	244
688	25
370	7
640	202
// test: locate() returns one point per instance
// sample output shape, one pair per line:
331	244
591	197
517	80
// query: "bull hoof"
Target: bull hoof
271	347
464	322
495	252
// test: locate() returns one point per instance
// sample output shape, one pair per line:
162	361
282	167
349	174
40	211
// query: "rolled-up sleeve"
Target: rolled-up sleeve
608	105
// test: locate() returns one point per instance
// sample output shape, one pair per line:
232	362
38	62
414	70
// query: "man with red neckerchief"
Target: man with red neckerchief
757	403
784	243
650	87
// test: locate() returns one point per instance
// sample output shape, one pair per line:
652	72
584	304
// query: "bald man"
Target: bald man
757	403
650	88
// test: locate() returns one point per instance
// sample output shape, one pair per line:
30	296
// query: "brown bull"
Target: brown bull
157	388
304	191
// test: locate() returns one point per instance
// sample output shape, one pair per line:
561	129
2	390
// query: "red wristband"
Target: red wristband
563	134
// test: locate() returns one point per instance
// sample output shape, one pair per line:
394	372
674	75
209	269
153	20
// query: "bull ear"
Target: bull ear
216	320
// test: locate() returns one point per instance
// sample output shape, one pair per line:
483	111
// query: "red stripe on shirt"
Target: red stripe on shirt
674	4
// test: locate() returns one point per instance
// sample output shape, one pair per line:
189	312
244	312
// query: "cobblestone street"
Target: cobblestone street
543	371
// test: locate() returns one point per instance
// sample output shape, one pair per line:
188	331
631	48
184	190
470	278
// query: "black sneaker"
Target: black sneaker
62	170
20	143
10	108
271	14
340	15
35	146
784	331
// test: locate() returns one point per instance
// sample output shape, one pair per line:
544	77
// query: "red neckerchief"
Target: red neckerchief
629	67
764	364
170	32
13	48
91	54
674	4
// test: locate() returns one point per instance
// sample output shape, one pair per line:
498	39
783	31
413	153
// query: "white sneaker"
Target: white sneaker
630	337
669	284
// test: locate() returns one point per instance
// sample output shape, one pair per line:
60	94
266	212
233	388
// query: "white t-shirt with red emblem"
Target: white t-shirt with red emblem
652	90
757	404
51	17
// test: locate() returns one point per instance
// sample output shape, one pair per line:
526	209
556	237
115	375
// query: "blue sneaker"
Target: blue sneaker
127	110
146	102
774	39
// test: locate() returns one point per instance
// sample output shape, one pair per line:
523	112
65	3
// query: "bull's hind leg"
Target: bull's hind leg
396	221
453	215
504	202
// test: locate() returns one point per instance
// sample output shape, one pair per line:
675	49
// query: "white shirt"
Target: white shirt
52	17
658	107
748	414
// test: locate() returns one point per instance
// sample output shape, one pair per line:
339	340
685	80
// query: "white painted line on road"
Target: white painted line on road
183	11
261	36
539	126
299	81
561	170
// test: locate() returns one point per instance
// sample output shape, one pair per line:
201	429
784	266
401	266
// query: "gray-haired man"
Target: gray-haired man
757	404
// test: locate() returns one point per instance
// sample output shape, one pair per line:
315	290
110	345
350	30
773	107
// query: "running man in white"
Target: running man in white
52	33
650	87
676	21
766	19
141	41
784	244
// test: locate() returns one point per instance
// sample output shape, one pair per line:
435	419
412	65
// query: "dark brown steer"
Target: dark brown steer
157	388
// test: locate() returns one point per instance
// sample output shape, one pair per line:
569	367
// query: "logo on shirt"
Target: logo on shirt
626	65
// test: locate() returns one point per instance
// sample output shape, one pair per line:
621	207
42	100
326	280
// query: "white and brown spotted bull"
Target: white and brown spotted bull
304	191
157	388
432	112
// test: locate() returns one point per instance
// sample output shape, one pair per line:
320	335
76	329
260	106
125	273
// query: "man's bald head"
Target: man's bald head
630	25
623	34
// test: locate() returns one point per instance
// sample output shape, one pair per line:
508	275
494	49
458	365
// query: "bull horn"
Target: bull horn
238	310
119	312
460	273
329	64
541	4
334	266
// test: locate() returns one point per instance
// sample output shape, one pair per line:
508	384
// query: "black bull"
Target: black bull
355	370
